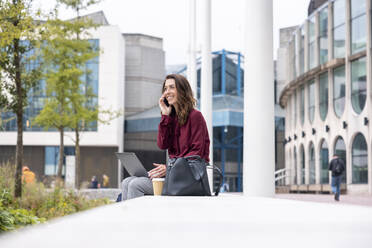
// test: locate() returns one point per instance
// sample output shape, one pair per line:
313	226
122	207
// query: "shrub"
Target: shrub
37	203
10	218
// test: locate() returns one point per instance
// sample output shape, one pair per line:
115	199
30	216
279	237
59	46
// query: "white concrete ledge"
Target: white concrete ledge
204	222
110	193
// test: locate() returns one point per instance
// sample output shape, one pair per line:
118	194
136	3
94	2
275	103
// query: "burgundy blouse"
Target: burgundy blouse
181	141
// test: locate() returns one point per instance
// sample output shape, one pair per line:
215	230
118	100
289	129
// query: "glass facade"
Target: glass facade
295	181
302	164
312	164
347	75
340	150
324	160
295	108
323	35
339	30
292	46
311	100
358	84
37	95
302	105
52	157
323	95
358	25
312	41
302	51
360	160
339	90
227	153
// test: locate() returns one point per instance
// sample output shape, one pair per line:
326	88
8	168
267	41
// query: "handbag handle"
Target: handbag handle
220	183
214	168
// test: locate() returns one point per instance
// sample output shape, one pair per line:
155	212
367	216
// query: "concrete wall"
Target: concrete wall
145	72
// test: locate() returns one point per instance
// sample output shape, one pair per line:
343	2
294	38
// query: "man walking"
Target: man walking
337	166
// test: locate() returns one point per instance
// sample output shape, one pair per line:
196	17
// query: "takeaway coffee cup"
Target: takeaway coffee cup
157	184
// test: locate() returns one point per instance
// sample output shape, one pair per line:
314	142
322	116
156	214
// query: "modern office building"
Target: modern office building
125	76
326	93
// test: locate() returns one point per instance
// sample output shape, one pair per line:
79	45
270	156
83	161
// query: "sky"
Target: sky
168	19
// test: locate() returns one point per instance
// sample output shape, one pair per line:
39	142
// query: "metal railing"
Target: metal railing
281	175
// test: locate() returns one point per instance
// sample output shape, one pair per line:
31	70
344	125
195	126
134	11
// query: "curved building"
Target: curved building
327	97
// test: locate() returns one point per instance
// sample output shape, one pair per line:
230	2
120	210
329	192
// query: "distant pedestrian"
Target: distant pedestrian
27	175
337	166
94	183
105	181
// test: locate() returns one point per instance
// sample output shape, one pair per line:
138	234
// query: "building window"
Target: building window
295	166
288	115
295	109
339	29
323	35
311	95
292	46
312	41
358	84
311	164
324	160
340	150
52	157
302	105
323	95
339	90
302	164
358	25
302	51
360	160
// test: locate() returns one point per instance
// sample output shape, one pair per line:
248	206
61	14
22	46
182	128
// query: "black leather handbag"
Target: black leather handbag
187	177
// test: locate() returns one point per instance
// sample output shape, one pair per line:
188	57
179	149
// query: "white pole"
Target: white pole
259	161
206	74
191	63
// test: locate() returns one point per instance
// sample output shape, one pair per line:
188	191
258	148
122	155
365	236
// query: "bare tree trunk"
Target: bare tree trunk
19	113
77	158
61	152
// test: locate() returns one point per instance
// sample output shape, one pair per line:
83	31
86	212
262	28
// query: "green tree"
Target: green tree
63	57
71	102
84	108
19	66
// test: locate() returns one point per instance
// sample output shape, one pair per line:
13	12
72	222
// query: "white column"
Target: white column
259	161
191	61
206	73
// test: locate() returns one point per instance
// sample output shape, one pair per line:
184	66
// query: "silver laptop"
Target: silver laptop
132	164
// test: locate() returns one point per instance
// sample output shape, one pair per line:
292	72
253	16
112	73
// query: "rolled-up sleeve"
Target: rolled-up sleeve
165	132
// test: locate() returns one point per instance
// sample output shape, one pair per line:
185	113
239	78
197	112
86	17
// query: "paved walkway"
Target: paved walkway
190	222
326	198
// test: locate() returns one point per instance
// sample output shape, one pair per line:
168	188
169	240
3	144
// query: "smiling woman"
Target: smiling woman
182	130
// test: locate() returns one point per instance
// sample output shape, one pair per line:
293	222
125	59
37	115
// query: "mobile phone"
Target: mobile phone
166	102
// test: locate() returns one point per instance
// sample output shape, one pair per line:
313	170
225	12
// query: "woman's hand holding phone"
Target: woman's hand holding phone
165	110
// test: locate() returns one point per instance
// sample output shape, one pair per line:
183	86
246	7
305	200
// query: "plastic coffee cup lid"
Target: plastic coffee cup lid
158	179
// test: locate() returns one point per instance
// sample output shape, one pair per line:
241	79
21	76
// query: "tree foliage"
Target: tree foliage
20	68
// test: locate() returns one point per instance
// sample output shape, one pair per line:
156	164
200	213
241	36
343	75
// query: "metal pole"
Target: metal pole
223	72
259	161
238	77
191	64
223	153
206	73
239	160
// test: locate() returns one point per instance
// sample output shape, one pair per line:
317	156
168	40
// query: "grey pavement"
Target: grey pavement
229	220
361	200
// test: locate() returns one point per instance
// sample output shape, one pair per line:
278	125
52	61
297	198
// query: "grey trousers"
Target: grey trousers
135	187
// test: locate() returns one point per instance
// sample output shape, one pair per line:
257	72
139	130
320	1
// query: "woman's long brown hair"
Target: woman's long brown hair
185	100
